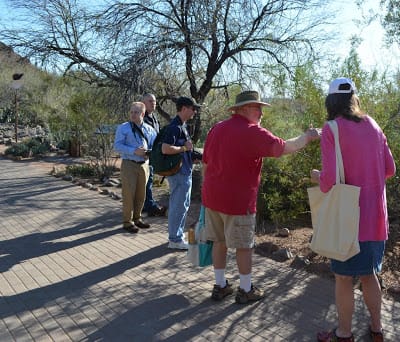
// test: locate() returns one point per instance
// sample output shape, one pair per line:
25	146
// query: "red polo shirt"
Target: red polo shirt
233	152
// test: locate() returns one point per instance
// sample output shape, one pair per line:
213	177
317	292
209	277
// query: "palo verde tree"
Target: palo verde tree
169	47
391	20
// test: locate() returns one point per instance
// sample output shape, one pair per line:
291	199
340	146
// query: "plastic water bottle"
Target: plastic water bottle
191	236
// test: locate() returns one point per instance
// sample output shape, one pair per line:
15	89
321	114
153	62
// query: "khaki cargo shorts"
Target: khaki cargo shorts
237	231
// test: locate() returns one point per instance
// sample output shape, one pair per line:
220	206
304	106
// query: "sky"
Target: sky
372	52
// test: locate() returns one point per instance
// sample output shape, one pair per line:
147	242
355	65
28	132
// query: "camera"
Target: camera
196	155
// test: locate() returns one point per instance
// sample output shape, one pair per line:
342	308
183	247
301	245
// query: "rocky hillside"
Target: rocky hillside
9	57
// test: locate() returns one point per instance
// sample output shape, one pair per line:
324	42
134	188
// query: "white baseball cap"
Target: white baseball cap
342	85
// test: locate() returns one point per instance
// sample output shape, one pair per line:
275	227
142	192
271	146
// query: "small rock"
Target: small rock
283	254
114	181
68	178
300	261
103	191
284	232
111	182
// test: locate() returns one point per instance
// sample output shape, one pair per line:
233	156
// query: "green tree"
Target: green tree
391	20
282	194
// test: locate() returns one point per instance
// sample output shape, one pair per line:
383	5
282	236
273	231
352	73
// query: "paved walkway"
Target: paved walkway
69	273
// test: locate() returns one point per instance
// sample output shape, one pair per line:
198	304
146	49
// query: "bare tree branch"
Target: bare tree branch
205	44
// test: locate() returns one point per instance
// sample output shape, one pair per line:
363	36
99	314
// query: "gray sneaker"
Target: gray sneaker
178	245
219	293
253	295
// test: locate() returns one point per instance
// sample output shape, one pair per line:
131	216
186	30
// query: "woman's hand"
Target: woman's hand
313	133
315	175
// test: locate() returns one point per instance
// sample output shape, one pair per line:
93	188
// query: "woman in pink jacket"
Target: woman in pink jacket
368	162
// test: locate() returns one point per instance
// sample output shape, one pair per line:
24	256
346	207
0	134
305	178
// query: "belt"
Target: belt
136	162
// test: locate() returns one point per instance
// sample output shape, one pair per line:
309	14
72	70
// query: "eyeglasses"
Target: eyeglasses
258	108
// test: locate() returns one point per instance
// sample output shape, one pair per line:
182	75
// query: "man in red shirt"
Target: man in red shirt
232	161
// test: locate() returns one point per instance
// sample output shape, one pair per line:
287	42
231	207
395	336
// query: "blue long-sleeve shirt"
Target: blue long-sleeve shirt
127	142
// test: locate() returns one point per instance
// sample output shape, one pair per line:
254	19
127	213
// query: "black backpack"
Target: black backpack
164	164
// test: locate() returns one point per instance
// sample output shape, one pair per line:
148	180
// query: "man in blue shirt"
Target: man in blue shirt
133	140
177	140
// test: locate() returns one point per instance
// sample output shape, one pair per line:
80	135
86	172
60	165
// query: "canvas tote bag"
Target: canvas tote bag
335	215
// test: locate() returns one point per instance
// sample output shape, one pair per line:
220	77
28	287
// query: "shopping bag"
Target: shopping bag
335	215
200	252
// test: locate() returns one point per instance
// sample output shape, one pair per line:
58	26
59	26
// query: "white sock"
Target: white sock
220	277
245	282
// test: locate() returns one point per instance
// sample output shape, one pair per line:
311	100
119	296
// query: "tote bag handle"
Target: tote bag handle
340	178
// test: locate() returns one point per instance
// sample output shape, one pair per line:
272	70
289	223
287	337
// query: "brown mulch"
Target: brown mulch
298	244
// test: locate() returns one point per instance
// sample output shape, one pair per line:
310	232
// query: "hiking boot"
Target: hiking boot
219	293
130	228
139	223
254	294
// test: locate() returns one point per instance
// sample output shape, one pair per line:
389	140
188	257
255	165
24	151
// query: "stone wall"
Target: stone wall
7	133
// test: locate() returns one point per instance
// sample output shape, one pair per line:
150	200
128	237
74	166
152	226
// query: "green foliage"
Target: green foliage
100	150
28	148
282	193
391	20
18	150
81	170
38	147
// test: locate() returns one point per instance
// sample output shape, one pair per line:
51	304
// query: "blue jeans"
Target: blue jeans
149	203
180	187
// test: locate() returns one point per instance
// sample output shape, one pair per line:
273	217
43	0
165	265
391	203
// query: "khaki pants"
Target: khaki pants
134	177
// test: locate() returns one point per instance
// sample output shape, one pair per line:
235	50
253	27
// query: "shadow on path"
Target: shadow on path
37	298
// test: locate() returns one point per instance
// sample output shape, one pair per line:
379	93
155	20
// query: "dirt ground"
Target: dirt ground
296	244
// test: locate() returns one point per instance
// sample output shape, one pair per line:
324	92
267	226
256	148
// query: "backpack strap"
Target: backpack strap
137	128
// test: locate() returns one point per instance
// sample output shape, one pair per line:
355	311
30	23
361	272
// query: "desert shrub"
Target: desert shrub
81	170
18	150
283	190
63	145
101	153
29	148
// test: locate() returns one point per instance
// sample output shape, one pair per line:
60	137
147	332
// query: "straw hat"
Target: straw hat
247	97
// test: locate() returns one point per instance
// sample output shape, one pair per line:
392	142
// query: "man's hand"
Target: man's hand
141	152
189	145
